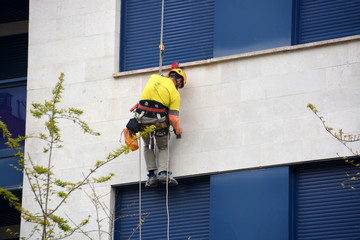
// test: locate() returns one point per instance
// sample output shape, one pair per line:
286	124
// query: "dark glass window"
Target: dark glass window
13	57
13	110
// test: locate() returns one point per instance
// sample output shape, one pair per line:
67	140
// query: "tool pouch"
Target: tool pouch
129	139
133	125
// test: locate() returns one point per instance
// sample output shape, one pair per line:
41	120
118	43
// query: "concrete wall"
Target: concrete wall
244	111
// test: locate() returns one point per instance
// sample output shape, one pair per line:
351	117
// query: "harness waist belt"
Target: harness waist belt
148	108
152	109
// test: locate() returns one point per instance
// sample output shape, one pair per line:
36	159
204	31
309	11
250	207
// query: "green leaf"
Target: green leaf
61	222
102	179
62	194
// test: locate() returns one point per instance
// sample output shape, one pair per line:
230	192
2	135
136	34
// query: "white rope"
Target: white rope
140	220
167	191
167	179
161	39
168	160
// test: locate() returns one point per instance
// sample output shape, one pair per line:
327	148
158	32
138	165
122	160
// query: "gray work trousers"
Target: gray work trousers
161	138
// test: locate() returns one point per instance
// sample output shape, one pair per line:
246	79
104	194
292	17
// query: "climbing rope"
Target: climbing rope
161	57
161	46
167	191
140	220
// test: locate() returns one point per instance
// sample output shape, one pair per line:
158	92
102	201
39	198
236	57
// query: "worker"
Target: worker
159	105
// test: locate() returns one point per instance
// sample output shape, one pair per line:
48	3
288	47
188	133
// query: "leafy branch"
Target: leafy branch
344	139
339	134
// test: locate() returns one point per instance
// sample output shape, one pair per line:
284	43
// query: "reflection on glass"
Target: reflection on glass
13	110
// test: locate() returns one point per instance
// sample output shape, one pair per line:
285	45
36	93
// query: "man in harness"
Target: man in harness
160	105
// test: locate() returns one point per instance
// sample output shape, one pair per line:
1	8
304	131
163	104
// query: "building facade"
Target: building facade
253	161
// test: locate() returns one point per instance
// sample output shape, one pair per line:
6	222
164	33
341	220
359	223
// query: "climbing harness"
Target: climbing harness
139	106
151	109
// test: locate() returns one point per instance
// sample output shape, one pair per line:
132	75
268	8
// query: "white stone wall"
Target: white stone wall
245	112
251	112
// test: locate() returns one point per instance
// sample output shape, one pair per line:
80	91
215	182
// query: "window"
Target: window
323	19
323	209
187	35
9	217
14	16
203	29
13	110
189	209
13	74
13	57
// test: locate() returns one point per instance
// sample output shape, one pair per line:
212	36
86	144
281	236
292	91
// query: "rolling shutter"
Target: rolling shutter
325	210
189	208
188	32
324	19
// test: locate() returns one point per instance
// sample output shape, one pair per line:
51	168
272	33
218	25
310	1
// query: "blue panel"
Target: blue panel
189	205
250	205
9	177
12	113
187	36
250	25
324	19
325	210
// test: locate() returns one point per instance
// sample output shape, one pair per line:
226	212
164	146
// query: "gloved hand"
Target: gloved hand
178	131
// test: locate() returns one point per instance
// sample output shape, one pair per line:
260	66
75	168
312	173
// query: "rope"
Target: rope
167	192
162	48
140	220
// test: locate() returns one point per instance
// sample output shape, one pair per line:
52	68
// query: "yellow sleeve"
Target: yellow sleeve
174	100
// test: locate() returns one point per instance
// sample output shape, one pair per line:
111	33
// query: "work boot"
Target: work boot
162	178
152	181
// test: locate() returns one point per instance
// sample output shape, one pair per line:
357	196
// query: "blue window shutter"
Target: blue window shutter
323	209
189	209
188	32
327	19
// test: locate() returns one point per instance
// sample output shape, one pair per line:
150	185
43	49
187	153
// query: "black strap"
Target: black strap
152	104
